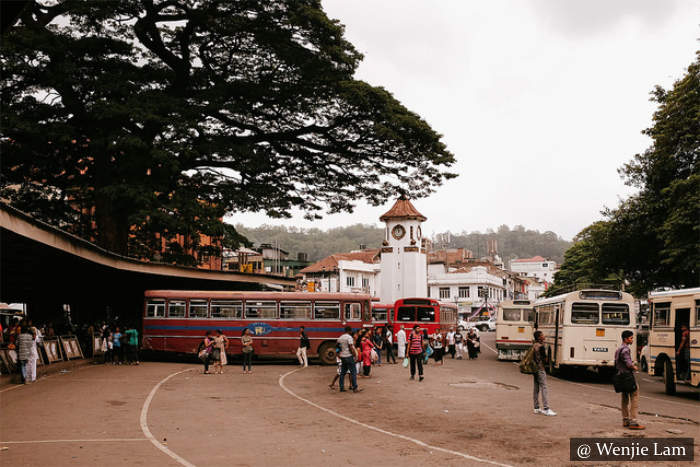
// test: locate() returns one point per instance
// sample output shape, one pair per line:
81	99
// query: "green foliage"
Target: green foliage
652	239
163	116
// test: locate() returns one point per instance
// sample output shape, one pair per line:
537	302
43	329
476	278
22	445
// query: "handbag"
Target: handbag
373	356
624	382
405	362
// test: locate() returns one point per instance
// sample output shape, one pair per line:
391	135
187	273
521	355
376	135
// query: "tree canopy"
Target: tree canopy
135	120
651	239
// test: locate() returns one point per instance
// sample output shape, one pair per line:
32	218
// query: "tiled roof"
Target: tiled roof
534	259
402	209
449	257
330	263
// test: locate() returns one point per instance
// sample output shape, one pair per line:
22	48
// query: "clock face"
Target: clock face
398	232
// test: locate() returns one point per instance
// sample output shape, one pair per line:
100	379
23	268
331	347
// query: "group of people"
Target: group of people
212	351
120	345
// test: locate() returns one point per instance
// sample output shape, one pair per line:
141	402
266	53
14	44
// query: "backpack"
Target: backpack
527	364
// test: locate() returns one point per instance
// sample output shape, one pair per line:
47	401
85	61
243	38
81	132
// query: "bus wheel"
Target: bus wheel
326	353
668	378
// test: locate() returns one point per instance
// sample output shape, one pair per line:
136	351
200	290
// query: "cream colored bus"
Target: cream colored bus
670	311
514	327
584	328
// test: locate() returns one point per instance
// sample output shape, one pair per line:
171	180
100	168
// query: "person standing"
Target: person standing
34	352
132	345
438	348
450	340
473	344
247	347
389	344
220	344
117	344
304	345
415	352
626	367
205	350
683	353
459	343
347	355
378	341
24	342
367	346
401	343
540	377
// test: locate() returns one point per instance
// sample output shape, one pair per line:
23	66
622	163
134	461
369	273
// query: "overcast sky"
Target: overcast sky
540	101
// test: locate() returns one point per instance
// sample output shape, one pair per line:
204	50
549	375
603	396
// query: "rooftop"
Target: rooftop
402	209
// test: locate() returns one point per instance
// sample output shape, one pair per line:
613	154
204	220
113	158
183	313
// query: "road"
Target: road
464	413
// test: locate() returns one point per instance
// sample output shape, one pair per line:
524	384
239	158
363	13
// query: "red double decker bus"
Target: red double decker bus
175	320
427	313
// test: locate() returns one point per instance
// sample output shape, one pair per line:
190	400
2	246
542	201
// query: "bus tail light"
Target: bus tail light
572	352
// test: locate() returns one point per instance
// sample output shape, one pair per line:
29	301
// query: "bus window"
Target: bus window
155	308
697	312
616	313
426	314
295	310
176	308
379	314
406	313
529	316
353	312
199	308
584	313
662	314
227	309
261	310
511	315
327	310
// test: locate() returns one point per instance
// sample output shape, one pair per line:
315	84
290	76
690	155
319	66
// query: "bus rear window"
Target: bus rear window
614	313
227	309
406	313
584	313
155	308
529	315
327	310
261	310
379	314
511	315
176	308
426	314
662	314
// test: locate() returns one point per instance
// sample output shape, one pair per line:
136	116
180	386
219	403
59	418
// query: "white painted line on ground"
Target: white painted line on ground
144	422
374	428
611	390
96	440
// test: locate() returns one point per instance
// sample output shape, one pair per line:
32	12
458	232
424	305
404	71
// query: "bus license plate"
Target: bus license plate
600	332
521	329
600	349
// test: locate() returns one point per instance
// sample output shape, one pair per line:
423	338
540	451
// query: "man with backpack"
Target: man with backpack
539	359
626	384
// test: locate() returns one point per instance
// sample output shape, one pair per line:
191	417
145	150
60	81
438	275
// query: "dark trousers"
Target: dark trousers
451	350
132	355
390	353
347	364
416	358
247	360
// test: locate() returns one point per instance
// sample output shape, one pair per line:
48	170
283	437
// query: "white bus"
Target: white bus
514	326
671	310
584	328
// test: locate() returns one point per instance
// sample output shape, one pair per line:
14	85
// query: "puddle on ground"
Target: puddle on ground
484	384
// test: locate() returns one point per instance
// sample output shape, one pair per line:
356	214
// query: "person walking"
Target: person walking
401	343
378	341
219	356
304	345
117	346
247	347
450	341
205	350
389	344
540	377
415	352
438	348
473	344
459	343
625	369
33	352
683	353
367	346
347	355
24	343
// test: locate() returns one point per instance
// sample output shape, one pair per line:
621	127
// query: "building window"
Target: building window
464	292
444	292
544	265
481	291
365	282
350	280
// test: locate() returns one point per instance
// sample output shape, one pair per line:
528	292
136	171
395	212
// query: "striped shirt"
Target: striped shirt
415	344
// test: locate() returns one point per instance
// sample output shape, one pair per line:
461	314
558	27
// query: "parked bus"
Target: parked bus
584	328
426	312
670	311
176	320
514	327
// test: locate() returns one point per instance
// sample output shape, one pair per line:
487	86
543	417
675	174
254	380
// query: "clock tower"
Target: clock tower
404	263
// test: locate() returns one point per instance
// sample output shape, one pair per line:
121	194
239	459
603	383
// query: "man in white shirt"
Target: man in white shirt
450	338
401	343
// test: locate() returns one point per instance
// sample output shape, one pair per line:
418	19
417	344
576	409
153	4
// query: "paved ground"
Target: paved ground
464	413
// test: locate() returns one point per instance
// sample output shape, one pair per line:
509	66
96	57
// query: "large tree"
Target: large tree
147	117
652	239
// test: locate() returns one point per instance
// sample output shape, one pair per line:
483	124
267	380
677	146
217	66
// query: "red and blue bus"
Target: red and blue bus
427	313
175	320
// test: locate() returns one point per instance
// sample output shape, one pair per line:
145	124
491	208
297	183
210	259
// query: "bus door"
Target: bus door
557	314
682	318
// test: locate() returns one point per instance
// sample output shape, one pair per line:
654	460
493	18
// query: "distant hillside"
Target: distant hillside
317	244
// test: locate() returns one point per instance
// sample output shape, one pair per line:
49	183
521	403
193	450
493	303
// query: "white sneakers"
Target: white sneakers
548	412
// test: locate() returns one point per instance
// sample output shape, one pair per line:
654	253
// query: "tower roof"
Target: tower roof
402	209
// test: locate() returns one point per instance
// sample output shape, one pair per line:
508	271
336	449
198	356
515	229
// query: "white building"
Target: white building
357	271
537	267
403	256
